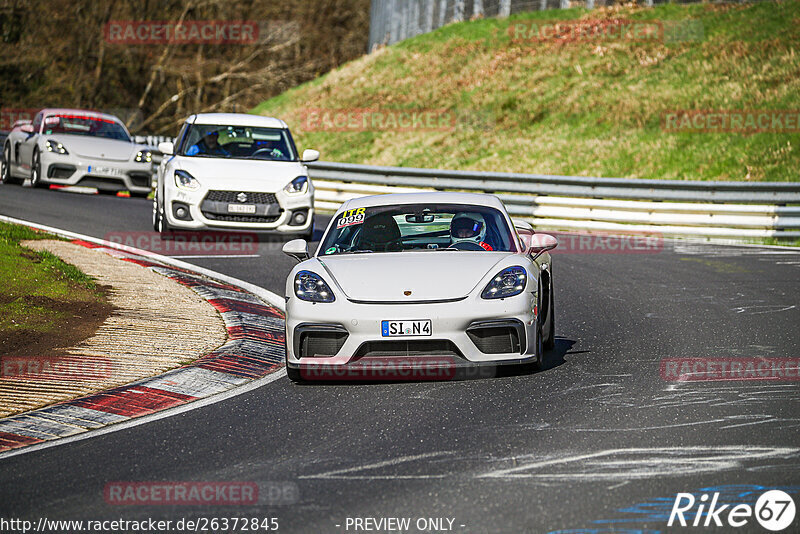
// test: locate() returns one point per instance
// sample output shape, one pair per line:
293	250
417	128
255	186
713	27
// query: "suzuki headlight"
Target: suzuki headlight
298	185
184	180
507	283
311	287
143	156
54	146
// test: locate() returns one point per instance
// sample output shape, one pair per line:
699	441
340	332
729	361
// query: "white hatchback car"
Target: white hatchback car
421	280
237	172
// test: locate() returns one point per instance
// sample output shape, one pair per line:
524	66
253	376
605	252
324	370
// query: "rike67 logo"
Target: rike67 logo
774	510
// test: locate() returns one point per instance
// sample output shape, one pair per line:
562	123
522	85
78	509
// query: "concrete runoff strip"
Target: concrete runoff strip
255	348
156	325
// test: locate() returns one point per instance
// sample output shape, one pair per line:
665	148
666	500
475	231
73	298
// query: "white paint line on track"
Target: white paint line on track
266	295
262	293
169	412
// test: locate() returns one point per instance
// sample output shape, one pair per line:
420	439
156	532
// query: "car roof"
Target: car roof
441	197
236	119
87	112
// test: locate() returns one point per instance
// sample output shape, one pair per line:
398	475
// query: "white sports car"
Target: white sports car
77	147
429	279
234	171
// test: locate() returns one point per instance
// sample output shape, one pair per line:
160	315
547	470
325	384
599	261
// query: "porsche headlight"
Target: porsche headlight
311	287
507	283
298	185
143	156
54	146
184	180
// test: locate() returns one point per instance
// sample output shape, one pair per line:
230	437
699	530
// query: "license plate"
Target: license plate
98	169
406	328
241	208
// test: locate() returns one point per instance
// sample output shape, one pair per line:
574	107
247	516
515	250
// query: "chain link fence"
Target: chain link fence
395	20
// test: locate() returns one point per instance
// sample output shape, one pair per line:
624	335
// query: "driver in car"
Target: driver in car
469	228
209	144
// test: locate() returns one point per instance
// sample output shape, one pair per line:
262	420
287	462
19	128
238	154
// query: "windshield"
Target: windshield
237	142
418	227
85	125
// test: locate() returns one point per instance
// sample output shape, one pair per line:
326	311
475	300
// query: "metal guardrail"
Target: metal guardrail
669	207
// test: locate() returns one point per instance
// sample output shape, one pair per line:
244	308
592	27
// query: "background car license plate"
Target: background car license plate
108	171
406	328
241	208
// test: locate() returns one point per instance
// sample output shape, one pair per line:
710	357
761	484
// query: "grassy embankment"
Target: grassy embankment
591	108
45	303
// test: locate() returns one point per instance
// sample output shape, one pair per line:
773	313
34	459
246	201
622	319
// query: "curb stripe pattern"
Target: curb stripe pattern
255	348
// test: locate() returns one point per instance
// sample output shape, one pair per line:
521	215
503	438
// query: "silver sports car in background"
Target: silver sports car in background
77	147
404	278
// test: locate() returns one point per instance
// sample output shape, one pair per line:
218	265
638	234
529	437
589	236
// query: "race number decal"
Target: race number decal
350	218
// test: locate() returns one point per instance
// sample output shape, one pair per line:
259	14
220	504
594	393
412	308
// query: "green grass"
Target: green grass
591	109
37	286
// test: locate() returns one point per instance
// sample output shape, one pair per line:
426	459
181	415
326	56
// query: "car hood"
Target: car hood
244	174
96	147
384	277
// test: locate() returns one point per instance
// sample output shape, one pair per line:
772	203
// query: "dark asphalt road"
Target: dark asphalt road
597	441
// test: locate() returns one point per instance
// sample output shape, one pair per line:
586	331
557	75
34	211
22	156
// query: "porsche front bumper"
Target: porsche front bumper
464	332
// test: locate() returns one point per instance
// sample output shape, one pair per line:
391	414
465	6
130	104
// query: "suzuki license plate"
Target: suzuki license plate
406	328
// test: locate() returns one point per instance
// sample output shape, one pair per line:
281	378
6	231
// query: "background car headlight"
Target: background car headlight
184	180
507	283
54	146
298	185
143	156
311	287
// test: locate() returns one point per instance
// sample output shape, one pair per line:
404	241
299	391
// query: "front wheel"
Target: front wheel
160	223
36	170
294	374
5	172
550	341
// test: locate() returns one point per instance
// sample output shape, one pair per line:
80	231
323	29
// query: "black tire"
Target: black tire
139	194
294	374
538	362
5	172
156	213
550	340
309	235
161	224
36	170
107	192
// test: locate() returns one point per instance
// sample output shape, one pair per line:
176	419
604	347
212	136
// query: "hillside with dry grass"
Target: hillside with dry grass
569	106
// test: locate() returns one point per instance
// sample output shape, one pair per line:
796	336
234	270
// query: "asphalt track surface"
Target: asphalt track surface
584	444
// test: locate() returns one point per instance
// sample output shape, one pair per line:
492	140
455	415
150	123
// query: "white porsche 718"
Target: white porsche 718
420	275
77	147
234	171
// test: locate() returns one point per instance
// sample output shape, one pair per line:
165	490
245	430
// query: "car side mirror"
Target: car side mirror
297	249
541	243
166	148
27	128
310	155
522	225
